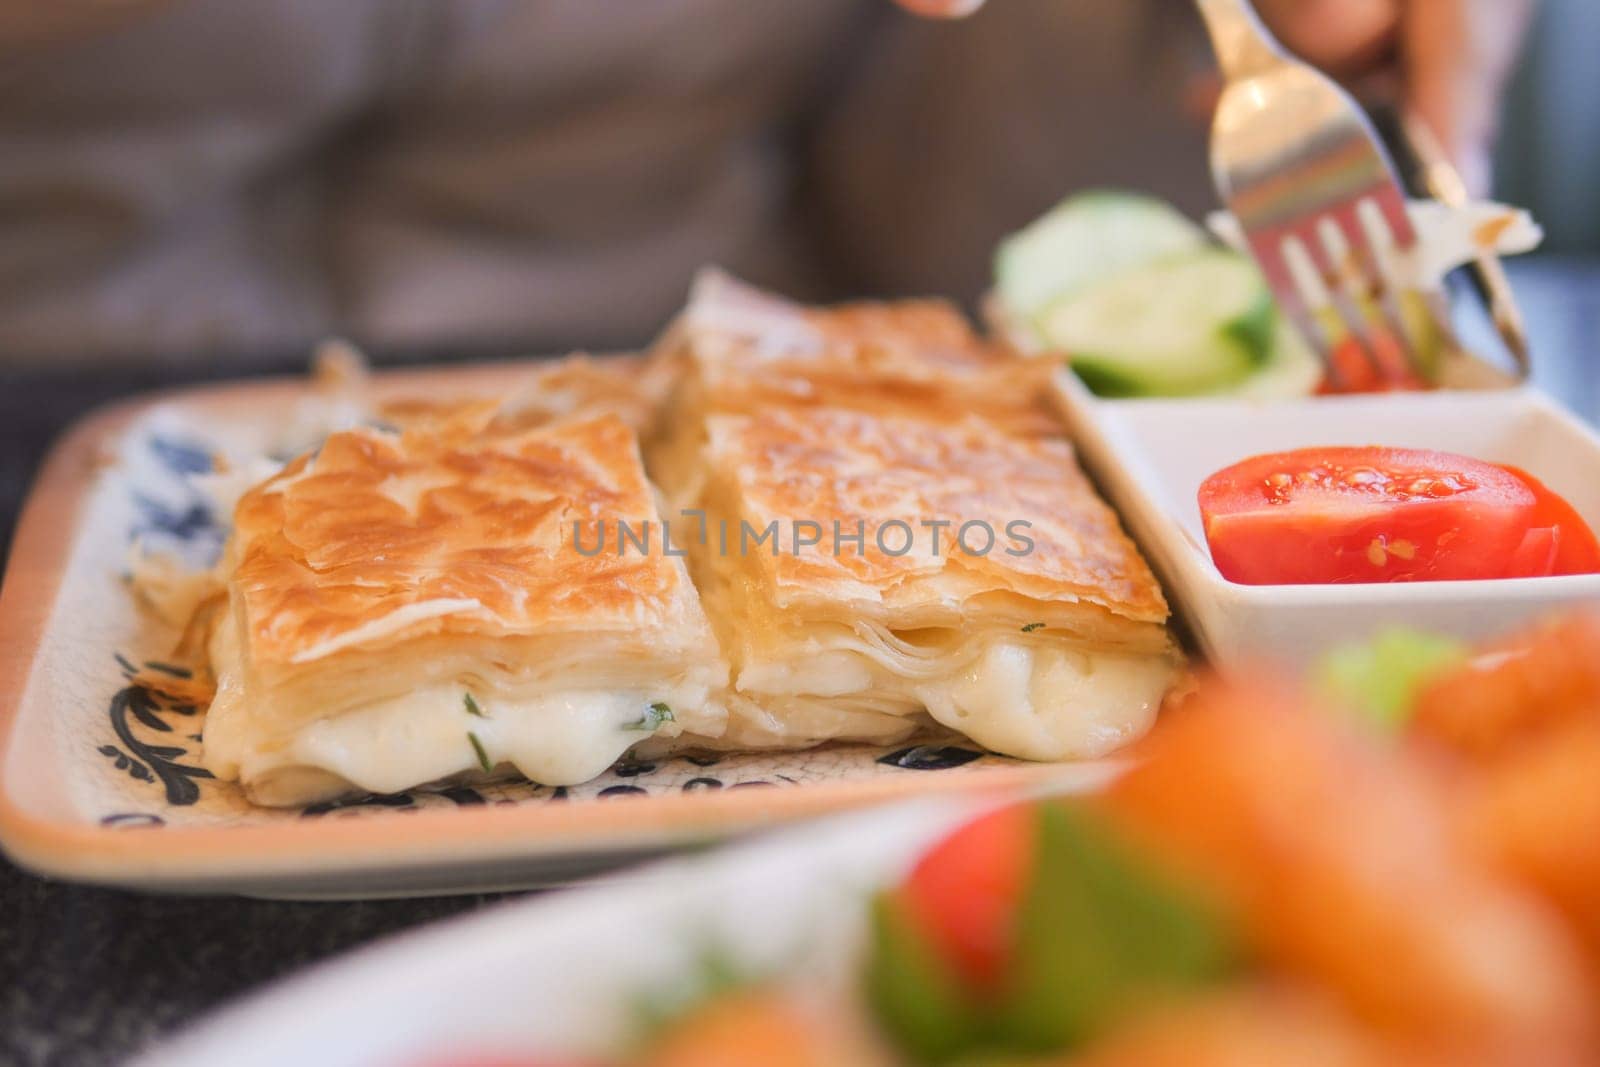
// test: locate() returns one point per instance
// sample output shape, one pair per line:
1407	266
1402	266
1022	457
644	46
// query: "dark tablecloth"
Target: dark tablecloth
87	976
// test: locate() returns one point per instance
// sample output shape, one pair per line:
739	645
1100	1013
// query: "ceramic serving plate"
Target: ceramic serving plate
1150	457
100	781
564	976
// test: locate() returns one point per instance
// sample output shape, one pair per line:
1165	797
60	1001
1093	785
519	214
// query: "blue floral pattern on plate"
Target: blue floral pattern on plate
149	745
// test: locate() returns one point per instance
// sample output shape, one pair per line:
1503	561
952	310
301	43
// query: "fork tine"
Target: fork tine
1350	316
1376	215
1392	210
1445	183
1292	302
1379	284
1438	305
1288	146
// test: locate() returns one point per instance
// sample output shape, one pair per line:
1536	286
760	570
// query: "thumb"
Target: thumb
943	9
1457	55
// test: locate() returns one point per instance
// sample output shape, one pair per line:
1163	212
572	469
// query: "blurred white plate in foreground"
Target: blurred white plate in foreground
564	974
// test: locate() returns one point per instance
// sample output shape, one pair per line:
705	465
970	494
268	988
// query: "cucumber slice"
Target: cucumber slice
1084	239
1189	324
1291	370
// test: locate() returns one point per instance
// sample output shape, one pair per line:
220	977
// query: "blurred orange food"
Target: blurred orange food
1347	897
1335	853
1536	817
1534	682
1521	724
1258	1026
765	1027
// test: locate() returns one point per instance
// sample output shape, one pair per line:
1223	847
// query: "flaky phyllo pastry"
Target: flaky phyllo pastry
404	608
1003	599
866	574
878	529
739	348
631	387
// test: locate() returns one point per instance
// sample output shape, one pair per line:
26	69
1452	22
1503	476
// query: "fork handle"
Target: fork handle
1244	46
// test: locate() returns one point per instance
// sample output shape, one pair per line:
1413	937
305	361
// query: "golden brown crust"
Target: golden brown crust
913	357
578	387
935	327
463	534
835	466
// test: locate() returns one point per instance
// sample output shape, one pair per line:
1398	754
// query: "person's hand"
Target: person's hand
1451	59
941	9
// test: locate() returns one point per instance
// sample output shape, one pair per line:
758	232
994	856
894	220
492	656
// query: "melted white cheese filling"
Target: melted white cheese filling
562	737
1047	703
1030	699
822	672
559	738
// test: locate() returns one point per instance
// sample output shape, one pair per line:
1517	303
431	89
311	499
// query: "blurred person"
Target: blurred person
203	177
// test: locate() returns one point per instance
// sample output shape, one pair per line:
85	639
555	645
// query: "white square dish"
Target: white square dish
1150	457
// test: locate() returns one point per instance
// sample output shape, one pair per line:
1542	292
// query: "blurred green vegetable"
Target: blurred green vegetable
913	993
1379	678
1098	927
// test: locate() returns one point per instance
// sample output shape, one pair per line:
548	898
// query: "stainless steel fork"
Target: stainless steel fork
1299	165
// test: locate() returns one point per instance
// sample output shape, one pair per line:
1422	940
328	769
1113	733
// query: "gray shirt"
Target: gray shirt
205	176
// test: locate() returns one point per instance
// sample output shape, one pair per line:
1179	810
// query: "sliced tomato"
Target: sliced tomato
1345	515
1573	549
1358	375
964	892
1535	557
